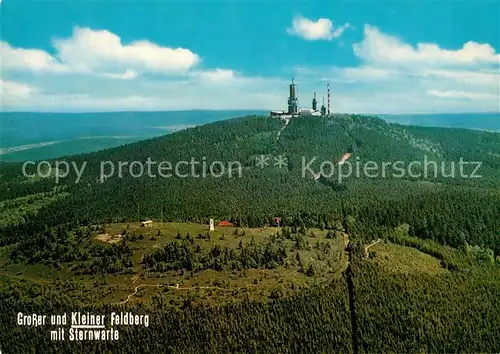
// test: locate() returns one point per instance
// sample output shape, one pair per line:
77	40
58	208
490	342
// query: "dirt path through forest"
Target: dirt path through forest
370	245
287	121
176	287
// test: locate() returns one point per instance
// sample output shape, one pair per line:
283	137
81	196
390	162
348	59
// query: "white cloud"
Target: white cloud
316	30
396	77
381	48
94	71
462	94
91	94
14	89
490	79
15	93
28	59
92	51
367	73
217	75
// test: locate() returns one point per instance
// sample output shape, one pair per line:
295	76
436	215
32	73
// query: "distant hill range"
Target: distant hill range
37	136
479	121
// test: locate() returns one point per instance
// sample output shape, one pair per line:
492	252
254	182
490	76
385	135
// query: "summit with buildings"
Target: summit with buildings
293	105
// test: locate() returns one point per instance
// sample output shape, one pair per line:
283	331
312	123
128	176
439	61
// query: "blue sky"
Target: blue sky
379	56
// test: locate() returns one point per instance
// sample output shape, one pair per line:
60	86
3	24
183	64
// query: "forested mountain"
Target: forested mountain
430	195
450	209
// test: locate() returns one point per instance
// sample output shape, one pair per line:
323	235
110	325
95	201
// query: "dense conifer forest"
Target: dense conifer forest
430	285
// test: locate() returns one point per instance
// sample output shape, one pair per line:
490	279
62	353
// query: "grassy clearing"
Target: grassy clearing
404	260
206	286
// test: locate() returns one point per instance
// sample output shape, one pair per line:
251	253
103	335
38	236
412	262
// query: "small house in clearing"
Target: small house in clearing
225	223
276	222
147	223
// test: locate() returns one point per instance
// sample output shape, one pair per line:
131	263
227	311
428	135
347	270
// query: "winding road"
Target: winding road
176	287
